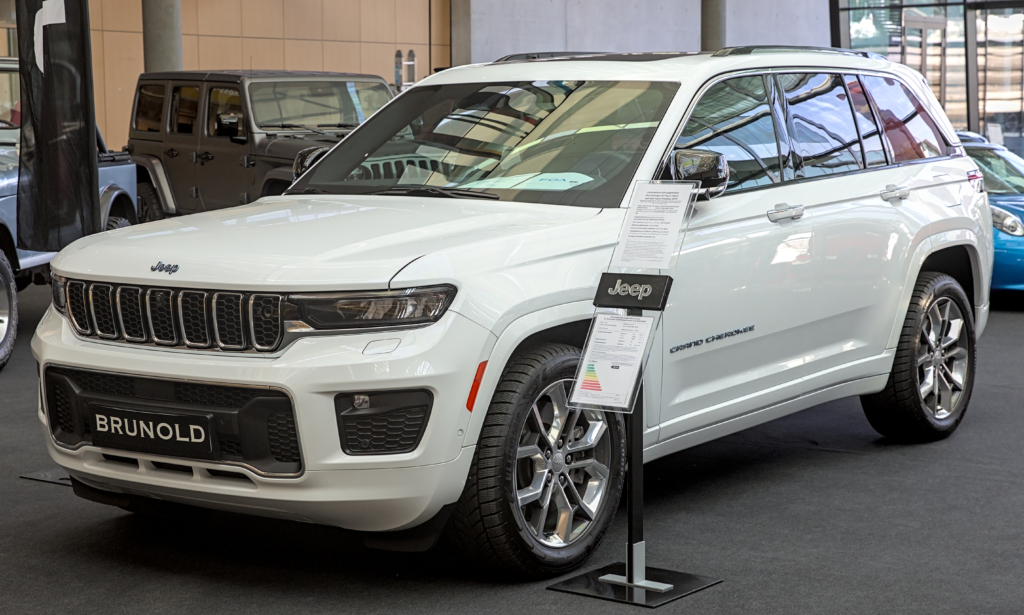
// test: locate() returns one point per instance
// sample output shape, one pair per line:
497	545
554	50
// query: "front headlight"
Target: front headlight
358	310
1006	221
57	284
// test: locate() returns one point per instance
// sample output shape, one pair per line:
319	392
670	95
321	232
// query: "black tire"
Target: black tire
488	524
115	222
8	310
150	208
902	411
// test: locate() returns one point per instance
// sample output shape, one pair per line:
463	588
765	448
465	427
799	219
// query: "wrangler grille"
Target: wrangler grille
195	319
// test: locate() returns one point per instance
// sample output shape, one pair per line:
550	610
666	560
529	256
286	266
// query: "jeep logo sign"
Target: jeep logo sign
633	291
636	290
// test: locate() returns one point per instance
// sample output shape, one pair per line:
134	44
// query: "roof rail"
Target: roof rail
544	55
742	51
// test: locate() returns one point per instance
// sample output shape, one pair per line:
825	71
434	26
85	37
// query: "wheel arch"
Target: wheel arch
116	201
567	324
956	254
9	247
274	179
151	169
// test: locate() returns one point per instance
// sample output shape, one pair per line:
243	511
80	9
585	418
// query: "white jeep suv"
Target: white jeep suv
387	347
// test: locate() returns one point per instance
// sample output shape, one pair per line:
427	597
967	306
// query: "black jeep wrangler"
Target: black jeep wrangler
209	140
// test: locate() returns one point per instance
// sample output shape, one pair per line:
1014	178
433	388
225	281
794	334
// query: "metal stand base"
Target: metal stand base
56	476
595	585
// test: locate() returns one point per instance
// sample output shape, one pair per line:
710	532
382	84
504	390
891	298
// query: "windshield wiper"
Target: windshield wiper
309	190
435	191
299	126
338	125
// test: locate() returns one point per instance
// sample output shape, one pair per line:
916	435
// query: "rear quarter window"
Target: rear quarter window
911	131
149	108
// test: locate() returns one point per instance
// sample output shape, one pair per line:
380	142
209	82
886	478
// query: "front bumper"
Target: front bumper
1008	265
360	492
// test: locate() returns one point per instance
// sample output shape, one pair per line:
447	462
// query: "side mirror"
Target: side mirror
307	158
709	168
228	125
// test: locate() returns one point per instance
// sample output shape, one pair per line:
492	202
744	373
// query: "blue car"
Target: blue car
1004	181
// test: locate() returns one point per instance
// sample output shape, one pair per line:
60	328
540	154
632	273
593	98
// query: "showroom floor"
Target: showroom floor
811	514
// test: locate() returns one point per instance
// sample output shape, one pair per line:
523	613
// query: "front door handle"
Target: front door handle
893	193
171	153
786	212
205	156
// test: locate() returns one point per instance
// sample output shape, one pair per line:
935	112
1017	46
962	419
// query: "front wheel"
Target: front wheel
932	376
546	479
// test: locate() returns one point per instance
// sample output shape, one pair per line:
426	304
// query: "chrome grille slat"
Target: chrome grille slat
195	326
160	313
131	315
78	307
229	321
101	306
265	321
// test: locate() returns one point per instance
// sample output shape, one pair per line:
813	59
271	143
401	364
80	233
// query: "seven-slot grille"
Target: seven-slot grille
196	319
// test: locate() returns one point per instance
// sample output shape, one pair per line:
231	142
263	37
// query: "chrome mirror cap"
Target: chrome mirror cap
709	168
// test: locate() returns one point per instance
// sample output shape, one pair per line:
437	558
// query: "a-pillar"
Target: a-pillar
161	35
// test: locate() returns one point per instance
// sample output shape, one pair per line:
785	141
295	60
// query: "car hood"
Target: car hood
286	147
304	243
1012	202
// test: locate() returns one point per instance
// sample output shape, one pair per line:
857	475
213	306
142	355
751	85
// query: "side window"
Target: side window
821	125
734	118
149	108
912	133
871	138
184	109
224	115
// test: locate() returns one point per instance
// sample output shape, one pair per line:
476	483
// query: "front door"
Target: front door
734	332
222	166
181	145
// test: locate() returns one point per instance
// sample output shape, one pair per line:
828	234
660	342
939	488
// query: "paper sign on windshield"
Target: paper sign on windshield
652	225
612	361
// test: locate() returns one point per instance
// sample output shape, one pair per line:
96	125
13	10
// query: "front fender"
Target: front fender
109	194
158	175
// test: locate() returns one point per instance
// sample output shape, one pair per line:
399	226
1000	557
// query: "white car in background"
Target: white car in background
388	346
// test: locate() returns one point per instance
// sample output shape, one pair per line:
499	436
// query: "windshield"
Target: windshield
554	142
312	104
1003	170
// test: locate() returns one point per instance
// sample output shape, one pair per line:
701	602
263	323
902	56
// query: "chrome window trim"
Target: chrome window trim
143	314
241	316
252	325
298	436
67	301
797	69
149	317
181	320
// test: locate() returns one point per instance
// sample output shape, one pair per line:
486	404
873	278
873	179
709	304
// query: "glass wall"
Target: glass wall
971	54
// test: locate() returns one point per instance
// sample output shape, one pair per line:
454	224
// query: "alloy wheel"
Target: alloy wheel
562	474
942	358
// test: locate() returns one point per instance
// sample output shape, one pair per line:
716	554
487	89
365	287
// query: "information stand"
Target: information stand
610	377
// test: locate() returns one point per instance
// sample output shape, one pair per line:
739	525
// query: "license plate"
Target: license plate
162	433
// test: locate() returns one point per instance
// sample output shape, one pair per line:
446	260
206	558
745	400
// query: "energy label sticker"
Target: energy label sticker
612	361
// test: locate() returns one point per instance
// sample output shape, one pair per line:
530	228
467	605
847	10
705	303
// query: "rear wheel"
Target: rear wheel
546	479
150	208
8	310
932	376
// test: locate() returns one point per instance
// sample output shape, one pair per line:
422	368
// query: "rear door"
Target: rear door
182	144
222	172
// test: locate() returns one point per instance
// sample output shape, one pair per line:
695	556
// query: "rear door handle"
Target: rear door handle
206	156
893	193
783	211
171	153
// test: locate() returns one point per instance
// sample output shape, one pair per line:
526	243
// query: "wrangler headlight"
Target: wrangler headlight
358	310
1006	221
57	284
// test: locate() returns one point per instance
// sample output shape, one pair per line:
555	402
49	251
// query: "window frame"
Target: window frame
953	151
133	132
243	103
200	112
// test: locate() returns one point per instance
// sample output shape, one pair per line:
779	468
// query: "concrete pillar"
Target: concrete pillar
462	32
712	25
161	35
